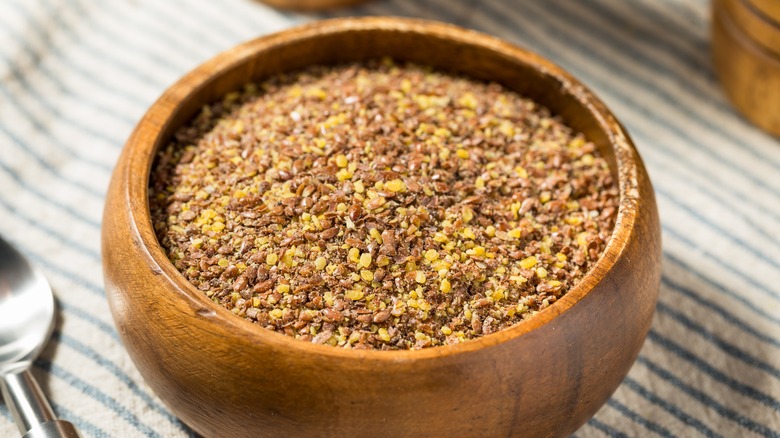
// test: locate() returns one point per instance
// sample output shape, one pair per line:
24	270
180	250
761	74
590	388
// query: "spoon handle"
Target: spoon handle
30	409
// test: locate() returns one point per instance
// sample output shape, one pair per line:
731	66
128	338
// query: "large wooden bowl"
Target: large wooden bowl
227	377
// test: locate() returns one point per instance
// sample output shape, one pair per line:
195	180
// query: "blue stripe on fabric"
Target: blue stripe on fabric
179	32
692	59
68	243
147	51
111	36
721	263
670	408
638	419
37	61
688	13
45	130
58	84
645	138
736	196
111	367
218	26
626	99
44	103
683	36
721	288
96	394
723	232
217	39
706	400
567	18
717	375
706	189
612	433
45	198
86	284
88	317
720	310
50	48
83	425
727	347
102	55
21	79
44	263
49	167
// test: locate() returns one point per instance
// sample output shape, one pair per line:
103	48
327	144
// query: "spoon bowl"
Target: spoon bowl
26	310
26	321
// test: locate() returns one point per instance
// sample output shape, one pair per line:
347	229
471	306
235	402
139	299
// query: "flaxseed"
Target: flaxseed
381	206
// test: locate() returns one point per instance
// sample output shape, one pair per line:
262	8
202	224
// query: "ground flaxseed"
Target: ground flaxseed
381	206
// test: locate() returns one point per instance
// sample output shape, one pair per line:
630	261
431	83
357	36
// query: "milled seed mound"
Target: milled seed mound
381	206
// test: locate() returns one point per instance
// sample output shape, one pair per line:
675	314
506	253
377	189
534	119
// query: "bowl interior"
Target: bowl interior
443	47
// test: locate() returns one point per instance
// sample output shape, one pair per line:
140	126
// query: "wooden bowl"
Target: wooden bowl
748	72
769	8
757	26
227	377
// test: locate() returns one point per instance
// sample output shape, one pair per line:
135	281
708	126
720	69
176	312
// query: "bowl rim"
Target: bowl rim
140	153
753	23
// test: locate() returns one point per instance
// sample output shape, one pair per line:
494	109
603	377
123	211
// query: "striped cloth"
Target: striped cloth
75	76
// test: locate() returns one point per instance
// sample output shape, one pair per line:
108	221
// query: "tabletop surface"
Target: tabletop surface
76	75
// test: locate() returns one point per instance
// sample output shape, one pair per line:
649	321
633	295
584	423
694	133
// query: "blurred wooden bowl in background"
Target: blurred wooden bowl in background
746	57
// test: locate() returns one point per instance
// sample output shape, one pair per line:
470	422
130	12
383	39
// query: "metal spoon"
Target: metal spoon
26	321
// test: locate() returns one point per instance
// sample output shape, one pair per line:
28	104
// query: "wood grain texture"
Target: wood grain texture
769	8
227	377
748	72
311	5
763	30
